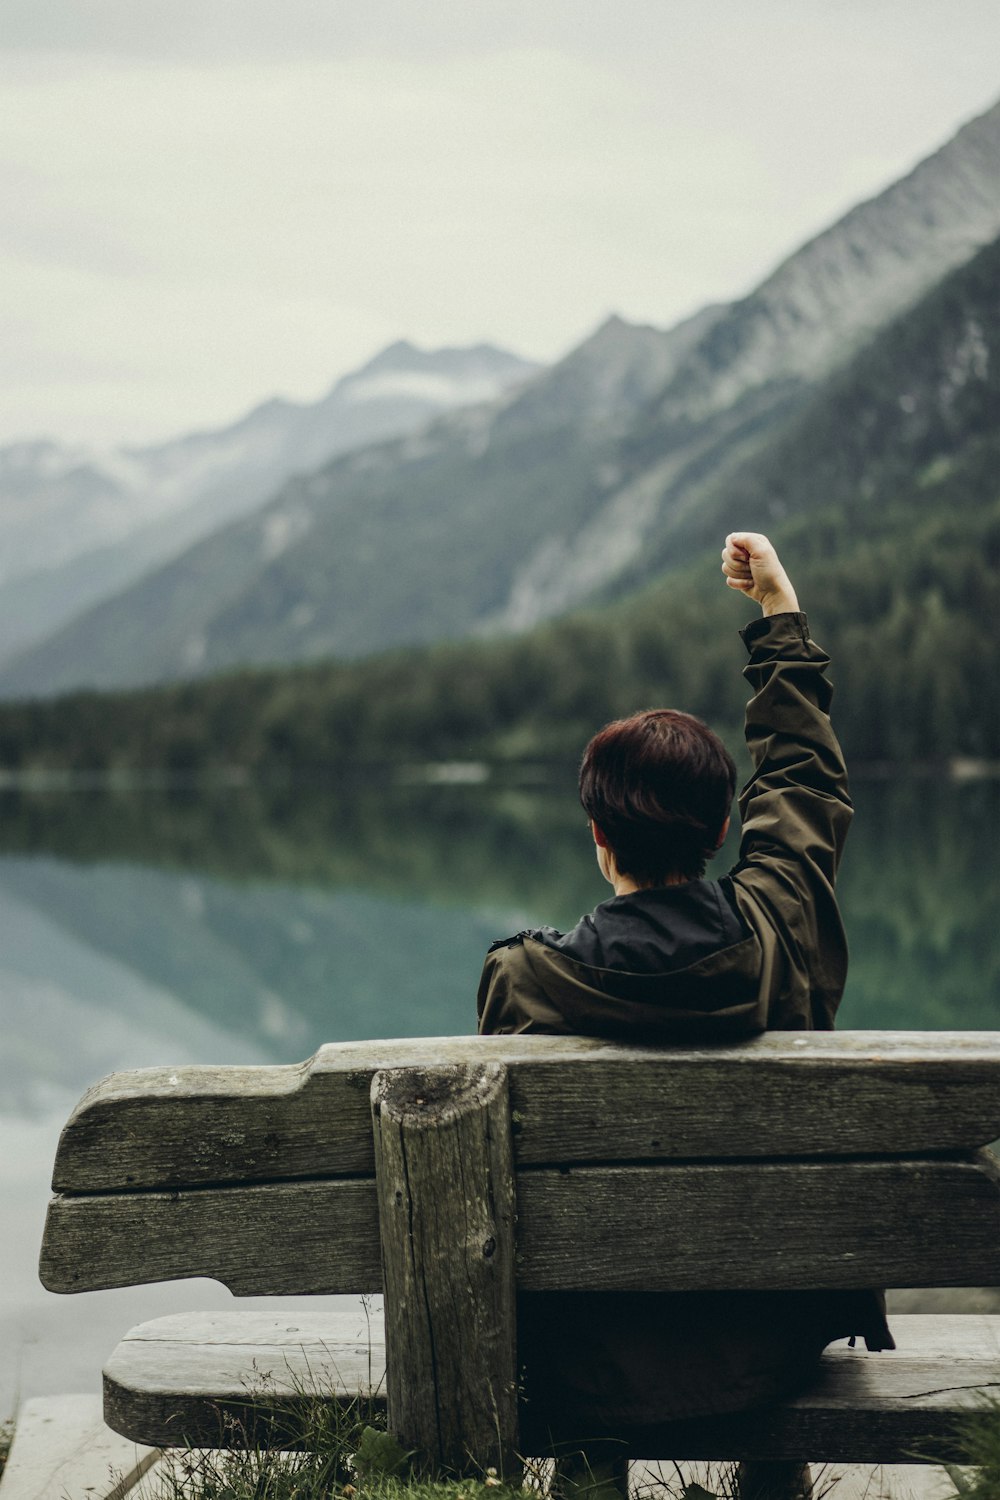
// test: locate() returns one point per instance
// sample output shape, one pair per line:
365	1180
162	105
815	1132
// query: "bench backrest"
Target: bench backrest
793	1160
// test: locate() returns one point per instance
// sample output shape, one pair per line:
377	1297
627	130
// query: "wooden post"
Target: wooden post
444	1168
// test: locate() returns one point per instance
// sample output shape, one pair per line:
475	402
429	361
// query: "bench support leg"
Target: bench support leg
444	1168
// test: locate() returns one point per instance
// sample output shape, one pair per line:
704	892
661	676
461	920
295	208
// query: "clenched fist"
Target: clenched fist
752	566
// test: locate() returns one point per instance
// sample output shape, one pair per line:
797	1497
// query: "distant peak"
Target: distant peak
403	357
615	332
616	327
399	350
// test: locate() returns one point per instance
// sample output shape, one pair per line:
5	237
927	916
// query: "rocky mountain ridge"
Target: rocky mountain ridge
754	366
838	288
170	623
882	492
579	487
81	525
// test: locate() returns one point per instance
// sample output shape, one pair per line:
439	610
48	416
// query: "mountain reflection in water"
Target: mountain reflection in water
253	926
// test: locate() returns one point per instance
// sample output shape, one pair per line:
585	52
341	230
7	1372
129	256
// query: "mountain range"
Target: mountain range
881	489
577	487
80	526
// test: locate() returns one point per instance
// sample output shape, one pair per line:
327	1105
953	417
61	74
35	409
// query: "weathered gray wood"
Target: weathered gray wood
207	1378
445	1173
948	1336
817	1093
258	1241
762	1225
672	1226
863	1408
181	1375
614	1148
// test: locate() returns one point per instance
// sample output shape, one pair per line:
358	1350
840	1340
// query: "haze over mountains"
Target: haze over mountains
79	526
883	488
578	486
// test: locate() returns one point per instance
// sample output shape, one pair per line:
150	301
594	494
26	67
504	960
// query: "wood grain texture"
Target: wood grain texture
841	1093
258	1241
861	1408
760	1226
445	1174
181	1375
205	1377
672	1226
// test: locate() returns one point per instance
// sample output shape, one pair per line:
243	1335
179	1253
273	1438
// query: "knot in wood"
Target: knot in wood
433	1097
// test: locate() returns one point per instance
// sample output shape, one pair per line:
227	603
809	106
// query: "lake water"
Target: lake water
251	927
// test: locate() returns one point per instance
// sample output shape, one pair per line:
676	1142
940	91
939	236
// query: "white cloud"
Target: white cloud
188	234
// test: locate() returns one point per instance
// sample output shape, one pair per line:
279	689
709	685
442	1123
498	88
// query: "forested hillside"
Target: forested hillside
885	498
576	490
405	540
80	527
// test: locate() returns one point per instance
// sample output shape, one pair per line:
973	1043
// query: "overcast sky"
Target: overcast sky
206	202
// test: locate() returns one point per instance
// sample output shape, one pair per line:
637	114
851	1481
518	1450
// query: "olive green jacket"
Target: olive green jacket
762	948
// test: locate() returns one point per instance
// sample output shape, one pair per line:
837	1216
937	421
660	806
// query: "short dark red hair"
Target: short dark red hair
659	786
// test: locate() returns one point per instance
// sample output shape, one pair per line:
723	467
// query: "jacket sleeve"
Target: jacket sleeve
795	812
510	1004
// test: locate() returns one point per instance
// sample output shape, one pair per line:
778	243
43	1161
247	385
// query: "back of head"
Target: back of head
659	786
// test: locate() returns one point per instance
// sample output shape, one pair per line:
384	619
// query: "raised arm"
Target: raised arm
752	566
795	809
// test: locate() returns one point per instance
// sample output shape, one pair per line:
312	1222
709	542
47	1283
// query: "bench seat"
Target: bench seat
184	1378
453	1174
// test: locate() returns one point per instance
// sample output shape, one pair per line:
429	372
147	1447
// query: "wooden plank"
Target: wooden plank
862	1408
201	1377
274	1239
685	1226
778	1225
933	1336
445	1176
176	1374
840	1093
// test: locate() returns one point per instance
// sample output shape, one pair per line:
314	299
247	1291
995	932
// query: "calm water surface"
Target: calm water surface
243	927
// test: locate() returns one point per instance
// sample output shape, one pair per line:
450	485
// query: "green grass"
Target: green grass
315	1450
322	1450
980	1438
345	1453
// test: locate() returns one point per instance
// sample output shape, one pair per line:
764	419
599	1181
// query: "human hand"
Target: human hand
752	566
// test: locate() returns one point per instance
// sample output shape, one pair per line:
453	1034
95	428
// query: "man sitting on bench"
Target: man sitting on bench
673	957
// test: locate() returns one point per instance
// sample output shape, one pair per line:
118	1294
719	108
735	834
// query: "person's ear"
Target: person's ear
722	834
599	838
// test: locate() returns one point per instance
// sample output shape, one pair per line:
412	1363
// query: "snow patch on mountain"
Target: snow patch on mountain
438	389
80	524
281	528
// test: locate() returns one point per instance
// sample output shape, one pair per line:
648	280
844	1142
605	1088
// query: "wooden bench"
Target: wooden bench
455	1172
